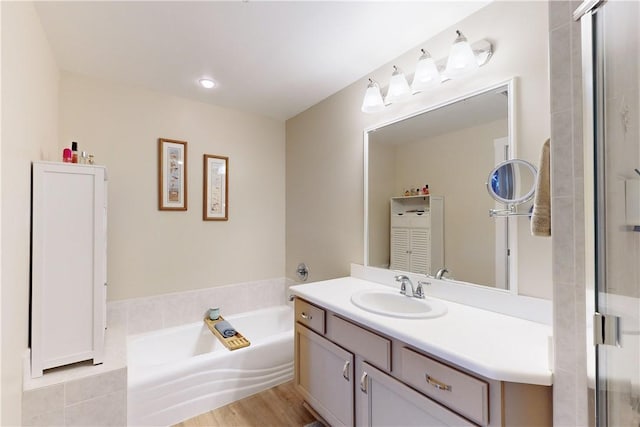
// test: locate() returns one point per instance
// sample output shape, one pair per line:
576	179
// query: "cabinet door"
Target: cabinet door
324	376
67	265
383	401
400	239
420	251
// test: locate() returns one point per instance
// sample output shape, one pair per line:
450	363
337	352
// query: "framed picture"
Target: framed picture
215	194
172	175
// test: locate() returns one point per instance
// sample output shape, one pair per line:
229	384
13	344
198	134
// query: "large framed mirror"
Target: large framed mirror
449	149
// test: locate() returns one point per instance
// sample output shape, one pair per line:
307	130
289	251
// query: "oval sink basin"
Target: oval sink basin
394	304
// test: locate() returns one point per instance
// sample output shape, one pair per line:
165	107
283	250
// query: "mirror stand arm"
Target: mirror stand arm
510	211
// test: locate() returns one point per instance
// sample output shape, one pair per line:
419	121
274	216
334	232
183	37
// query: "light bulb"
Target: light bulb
372	98
207	83
399	90
461	60
426	74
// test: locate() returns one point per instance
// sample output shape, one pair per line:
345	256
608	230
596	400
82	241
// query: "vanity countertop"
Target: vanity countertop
493	345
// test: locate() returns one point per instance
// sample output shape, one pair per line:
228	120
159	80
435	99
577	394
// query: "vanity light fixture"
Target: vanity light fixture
426	75
207	83
399	90
372	98
464	59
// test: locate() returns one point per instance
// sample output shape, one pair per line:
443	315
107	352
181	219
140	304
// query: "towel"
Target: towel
225	329
541	215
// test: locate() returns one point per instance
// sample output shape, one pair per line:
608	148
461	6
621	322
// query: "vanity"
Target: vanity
458	366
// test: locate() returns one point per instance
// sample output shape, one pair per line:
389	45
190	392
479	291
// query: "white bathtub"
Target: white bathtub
178	373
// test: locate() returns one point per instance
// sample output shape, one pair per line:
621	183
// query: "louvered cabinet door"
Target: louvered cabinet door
400	244
420	251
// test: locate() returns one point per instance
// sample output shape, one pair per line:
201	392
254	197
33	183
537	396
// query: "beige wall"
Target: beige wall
152	252
381	188
325	143
29	131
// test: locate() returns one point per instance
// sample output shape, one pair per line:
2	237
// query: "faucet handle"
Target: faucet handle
403	283
420	290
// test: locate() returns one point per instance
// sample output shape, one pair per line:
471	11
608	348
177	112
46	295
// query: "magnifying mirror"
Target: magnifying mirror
512	182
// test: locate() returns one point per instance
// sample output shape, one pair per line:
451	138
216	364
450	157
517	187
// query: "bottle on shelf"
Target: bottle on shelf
74	152
66	155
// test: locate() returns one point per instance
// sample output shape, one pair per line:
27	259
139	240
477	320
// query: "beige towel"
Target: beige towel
541	215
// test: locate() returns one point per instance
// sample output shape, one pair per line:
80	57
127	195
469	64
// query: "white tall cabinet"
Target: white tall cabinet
68	264
417	234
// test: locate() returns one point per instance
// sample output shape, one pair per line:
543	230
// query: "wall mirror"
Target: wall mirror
450	148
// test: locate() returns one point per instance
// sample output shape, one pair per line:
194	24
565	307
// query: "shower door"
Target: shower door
611	77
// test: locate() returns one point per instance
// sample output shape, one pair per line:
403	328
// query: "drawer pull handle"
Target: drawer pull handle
437	384
306	316
363	382
345	370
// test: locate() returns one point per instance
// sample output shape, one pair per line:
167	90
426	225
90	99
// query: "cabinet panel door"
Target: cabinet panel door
324	376
384	401
68	267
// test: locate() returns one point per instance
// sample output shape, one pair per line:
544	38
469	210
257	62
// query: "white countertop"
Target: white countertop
493	345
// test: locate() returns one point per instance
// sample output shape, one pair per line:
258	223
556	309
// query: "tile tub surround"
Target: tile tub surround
140	315
87	394
95	400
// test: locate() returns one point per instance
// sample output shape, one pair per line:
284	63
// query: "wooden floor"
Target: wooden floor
278	406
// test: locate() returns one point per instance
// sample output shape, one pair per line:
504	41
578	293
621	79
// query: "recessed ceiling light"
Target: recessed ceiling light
207	83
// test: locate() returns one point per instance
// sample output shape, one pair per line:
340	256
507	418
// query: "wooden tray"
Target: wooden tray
232	343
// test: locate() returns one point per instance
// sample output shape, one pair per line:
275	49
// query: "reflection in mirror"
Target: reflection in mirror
512	182
445	152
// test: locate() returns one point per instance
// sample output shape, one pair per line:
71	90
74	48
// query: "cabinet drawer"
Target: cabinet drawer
461	392
372	347
310	316
411	220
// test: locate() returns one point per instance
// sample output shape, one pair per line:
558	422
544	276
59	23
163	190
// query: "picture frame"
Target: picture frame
215	189
172	175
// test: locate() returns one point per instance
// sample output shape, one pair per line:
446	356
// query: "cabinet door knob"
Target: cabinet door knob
305	316
363	382
437	384
345	370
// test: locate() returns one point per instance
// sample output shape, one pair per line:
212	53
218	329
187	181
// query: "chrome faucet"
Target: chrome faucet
441	273
416	293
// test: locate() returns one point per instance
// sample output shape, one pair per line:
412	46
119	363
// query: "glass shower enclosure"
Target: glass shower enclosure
611	110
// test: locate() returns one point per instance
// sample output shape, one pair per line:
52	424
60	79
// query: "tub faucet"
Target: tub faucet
416	293
441	273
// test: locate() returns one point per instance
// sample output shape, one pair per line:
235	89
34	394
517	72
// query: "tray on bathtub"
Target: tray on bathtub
232	343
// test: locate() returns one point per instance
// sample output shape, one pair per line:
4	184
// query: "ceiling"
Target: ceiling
271	58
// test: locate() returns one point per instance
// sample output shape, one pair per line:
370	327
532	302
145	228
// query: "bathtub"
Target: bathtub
180	372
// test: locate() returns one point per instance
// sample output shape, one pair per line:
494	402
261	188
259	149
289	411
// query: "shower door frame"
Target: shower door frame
603	329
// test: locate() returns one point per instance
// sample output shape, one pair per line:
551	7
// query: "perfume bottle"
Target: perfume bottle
74	152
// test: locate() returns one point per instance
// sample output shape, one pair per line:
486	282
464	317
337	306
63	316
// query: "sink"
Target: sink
394	304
